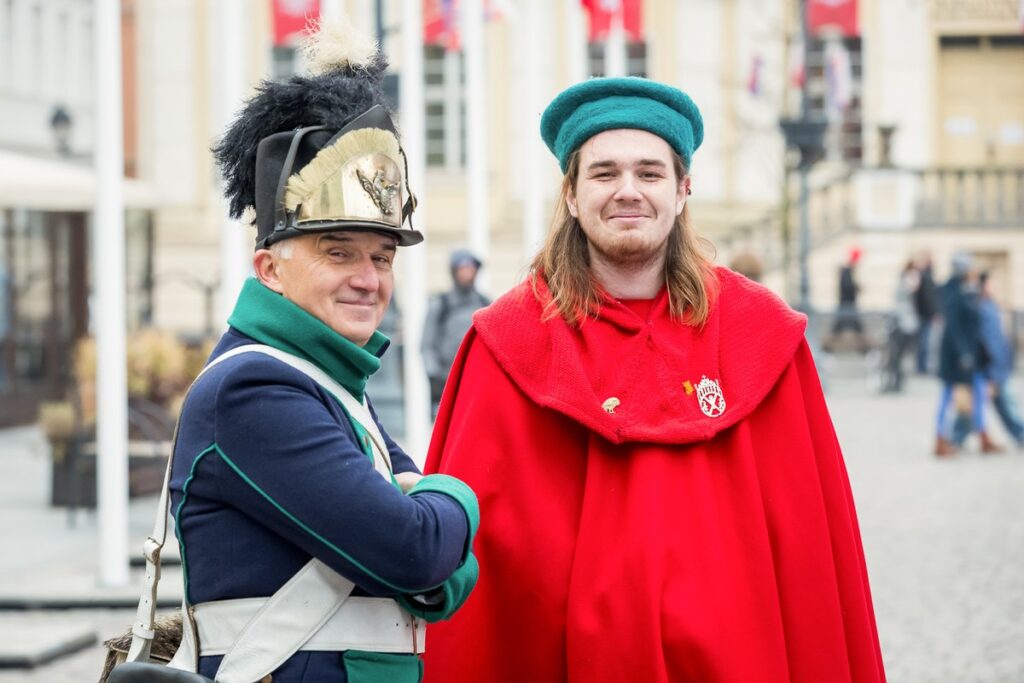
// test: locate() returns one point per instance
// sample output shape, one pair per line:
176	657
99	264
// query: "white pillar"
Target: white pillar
452	112
413	260
236	241
21	48
534	150
109	309
577	57
332	10
615	46
478	228
48	54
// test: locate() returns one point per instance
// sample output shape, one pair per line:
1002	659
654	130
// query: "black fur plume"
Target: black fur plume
329	99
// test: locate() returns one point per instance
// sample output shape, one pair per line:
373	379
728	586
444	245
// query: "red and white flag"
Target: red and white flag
839	75
825	16
797	75
441	20
601	12
441	23
754	77
291	17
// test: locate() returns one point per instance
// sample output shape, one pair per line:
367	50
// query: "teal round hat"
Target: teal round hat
599	104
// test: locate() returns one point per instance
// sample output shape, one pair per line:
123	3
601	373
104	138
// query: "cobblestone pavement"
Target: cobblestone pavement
944	539
944	542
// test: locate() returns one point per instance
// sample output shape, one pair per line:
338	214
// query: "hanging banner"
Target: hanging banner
601	12
290	19
832	16
440	23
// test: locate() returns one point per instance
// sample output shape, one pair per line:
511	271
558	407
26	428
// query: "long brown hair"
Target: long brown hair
564	263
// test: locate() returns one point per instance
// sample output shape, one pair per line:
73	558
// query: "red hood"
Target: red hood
749	339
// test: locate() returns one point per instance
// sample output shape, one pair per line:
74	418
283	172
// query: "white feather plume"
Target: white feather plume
336	43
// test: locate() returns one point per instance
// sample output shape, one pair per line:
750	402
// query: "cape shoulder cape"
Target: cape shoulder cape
652	541
645	363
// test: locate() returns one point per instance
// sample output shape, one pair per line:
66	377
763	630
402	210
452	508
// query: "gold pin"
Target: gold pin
687	387
610	405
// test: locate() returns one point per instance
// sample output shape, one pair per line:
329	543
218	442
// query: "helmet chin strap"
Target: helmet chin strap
284	220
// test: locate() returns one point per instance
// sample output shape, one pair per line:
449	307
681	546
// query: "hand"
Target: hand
406	480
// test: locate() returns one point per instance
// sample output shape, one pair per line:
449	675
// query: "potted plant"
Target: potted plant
159	370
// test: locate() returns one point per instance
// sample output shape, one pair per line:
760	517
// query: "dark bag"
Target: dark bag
137	672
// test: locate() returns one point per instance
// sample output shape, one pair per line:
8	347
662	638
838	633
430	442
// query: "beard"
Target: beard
632	249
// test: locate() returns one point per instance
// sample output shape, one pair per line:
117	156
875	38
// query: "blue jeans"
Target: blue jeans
961	427
924	335
1006	408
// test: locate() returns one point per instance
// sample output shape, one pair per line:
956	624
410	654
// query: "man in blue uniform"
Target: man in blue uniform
281	471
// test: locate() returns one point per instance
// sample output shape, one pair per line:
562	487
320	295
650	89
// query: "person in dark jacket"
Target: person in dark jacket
997	367
448	318
961	357
281	469
926	306
847	314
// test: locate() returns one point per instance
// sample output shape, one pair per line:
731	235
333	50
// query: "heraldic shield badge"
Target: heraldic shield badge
710	398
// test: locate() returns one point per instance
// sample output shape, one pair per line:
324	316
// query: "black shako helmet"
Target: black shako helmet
319	152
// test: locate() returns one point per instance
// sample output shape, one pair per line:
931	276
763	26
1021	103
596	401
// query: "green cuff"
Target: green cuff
456	589
453	488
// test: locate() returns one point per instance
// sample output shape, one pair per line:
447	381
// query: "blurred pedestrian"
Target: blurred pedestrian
960	356
996	366
847	313
926	304
663	495
903	326
449	316
748	264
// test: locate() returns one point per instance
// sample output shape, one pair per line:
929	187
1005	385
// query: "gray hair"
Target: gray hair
283	249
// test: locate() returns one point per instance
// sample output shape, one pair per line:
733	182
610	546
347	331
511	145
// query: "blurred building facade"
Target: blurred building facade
944	77
47	192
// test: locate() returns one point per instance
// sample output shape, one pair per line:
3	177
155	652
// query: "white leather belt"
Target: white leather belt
362	623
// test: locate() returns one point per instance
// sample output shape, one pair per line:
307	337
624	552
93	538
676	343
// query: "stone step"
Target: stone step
27	642
77	588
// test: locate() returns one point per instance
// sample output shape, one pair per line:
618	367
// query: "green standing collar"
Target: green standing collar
271	319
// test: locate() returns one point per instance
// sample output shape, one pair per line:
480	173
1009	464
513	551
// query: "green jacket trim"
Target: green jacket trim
302	525
271	319
177	514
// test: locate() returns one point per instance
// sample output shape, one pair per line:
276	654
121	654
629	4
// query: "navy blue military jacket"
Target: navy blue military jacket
268	474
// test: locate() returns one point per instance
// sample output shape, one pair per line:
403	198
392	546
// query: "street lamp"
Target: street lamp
61	124
885	132
807	137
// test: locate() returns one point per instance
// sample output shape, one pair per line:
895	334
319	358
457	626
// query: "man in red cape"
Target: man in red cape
662	494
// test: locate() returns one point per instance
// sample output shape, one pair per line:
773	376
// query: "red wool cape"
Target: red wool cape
651	542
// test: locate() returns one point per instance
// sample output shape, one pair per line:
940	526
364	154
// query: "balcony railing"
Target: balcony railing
970	197
954	198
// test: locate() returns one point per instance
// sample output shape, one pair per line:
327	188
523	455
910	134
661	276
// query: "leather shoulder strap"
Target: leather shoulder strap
142	628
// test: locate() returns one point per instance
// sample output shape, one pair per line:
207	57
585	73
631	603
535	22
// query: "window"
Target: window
7	43
443	92
283	62
36	31
844	139
636	59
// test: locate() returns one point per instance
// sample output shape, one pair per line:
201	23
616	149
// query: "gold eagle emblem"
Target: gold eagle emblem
380	190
